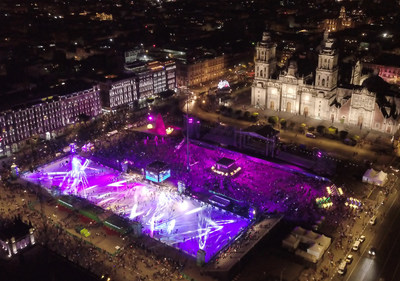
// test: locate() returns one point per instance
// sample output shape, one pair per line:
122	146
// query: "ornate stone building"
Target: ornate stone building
318	96
340	23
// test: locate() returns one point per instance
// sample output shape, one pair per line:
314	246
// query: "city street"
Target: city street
385	264
334	148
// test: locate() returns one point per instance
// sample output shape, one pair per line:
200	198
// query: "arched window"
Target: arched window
272	105
261	73
323	83
289	107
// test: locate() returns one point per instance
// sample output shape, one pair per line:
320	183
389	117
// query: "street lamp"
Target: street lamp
187	131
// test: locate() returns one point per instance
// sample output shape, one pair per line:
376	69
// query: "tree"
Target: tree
343	134
273	120
283	123
332	130
321	129
238	113
83	117
166	94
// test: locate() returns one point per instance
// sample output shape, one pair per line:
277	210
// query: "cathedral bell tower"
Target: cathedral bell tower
265	66
327	70
265	62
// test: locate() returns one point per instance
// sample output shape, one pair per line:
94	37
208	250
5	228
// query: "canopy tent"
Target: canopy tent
316	250
299	231
307	256
308	244
290	242
323	241
375	177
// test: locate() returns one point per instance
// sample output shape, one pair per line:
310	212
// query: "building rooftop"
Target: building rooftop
13	228
225	162
157	166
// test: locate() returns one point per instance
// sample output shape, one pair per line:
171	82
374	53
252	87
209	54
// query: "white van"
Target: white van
372	221
356	245
342	268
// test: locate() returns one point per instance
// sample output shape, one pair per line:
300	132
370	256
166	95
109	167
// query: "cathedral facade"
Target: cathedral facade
318	96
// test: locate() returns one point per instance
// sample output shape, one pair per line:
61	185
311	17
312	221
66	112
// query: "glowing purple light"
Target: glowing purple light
72	147
176	220
190	120
150	118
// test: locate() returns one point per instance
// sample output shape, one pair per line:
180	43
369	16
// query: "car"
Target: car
372	251
310	135
342	268
362	238
372	221
356	245
349	259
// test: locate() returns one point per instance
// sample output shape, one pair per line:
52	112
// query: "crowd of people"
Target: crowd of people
260	184
134	262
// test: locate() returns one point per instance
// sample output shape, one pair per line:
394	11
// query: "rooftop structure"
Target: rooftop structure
15	235
158	171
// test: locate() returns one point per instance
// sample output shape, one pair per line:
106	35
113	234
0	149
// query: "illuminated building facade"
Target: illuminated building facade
318	96
340	23
46	117
390	74
119	93
199	71
145	82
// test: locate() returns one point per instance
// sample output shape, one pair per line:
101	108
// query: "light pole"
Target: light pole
187	131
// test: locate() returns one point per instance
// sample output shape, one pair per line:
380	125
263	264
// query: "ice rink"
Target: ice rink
177	220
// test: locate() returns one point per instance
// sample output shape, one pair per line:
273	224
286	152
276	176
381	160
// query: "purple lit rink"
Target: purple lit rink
173	219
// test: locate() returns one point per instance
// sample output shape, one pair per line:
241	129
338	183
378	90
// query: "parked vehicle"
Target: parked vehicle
342	268
349	259
310	135
356	245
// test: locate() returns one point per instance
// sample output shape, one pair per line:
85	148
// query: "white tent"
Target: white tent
316	250
290	242
323	241
306	256
381	178
299	231
374	177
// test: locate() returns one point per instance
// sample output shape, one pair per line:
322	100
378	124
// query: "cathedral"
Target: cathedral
368	102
